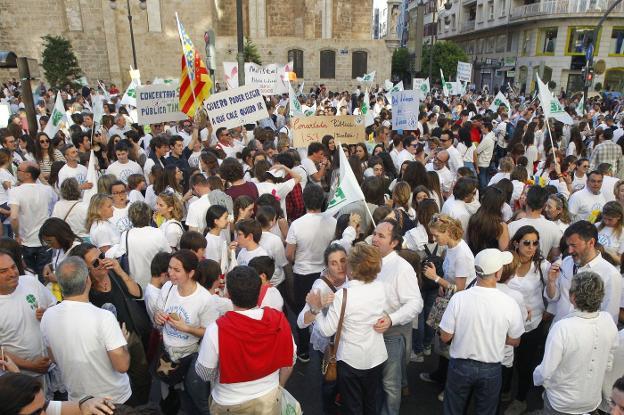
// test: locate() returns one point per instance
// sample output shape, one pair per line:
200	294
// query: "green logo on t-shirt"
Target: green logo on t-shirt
32	301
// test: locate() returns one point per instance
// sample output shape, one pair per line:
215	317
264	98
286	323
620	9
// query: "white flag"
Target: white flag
390	88
98	108
551	106
447	87
499	100
57	116
129	97
301	87
92	177
366	110
295	105
388	85
348	189
368	78
580	108
421	85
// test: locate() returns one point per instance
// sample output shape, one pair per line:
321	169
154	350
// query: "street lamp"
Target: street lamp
143	6
447	6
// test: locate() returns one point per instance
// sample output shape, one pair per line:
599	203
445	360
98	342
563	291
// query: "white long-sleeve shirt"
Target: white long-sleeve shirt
610	277
403	299
579	350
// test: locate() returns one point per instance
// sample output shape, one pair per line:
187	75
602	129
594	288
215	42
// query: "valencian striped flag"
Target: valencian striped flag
195	82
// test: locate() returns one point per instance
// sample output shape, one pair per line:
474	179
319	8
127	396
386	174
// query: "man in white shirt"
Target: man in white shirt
403	303
226	143
581	238
196	215
123	167
579	350
485	150
95	361
247	353
444	174
480	321
408	150
455	160
30	206
608	181
23	300
73	169
550	233
306	241
456	207
316	155
587	203
119	128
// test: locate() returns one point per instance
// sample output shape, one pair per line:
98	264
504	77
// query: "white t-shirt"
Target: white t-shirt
84	362
273	299
244	256
480	320
143	243
531	285
173	230
274	247
79	173
5	176
311	233
608	185
123	171
198	309
196	215
151	197
611	242
309	167
517	296
215	246
120	219
467	153
459	262
578	183
103	233
583	204
550	233
457	209
19	328
77	216
151	295
135	196
33	200
498	177
281	190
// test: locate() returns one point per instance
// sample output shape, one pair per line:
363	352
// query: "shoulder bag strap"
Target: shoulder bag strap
69	211
127	251
341	320
329	284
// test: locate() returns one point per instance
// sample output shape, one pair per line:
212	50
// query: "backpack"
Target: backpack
509	131
437	262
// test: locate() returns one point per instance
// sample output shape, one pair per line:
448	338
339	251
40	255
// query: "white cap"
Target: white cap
277	173
489	261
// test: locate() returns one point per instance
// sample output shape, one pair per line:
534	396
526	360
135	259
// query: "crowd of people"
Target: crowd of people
194	267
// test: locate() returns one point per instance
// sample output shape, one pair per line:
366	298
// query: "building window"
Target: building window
526	42
617	41
579	37
510	37
328	64
503	9
359	64
296	57
491	10
546	41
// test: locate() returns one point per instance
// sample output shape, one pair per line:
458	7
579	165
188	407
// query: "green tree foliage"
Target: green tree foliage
251	52
446	54
400	63
59	62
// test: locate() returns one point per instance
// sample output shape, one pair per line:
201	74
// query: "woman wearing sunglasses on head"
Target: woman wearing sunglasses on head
529	279
46	154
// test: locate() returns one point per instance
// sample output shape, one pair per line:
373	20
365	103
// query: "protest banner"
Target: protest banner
158	103
236	107
271	79
421	85
5	112
346	129
464	71
405	108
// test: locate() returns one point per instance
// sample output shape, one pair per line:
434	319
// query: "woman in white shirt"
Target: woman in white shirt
185	310
217	224
467	148
102	233
361	350
611	230
70	208
530	279
168	206
7	180
530	149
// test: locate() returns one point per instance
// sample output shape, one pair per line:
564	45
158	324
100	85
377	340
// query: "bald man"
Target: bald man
440	166
30	204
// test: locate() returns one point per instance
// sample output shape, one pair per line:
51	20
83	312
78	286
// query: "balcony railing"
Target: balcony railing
467	26
559	7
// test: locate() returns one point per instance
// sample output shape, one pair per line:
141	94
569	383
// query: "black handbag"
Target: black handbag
138	316
124	261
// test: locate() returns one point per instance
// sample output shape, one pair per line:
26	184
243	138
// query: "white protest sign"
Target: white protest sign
236	107
5	112
230	72
405	107
269	79
464	71
158	103
422	86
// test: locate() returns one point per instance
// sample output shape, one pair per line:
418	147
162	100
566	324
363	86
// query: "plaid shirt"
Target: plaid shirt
294	203
608	152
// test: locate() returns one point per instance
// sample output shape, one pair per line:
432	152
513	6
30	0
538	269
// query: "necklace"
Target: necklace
104	285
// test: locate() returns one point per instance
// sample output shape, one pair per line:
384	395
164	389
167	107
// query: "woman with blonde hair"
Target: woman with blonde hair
610	234
618	191
102	233
556	210
169	207
361	350
405	214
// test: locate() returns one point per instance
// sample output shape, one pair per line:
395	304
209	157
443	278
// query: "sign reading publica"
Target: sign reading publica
158	103
236	107
346	129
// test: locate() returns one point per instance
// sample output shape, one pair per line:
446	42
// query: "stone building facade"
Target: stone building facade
336	32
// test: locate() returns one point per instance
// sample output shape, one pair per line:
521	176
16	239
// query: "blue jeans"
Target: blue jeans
36	258
392	375
467	376
424	335
195	398
484	177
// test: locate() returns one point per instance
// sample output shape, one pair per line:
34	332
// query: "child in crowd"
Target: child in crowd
158	269
136	185
248	234
269	295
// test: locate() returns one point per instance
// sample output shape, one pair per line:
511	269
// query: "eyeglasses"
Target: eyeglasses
123	192
444	140
529	243
44	141
98	261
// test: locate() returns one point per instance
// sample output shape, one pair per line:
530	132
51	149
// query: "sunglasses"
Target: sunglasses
529	243
44	141
98	261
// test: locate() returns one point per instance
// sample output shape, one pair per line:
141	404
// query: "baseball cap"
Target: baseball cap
489	261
